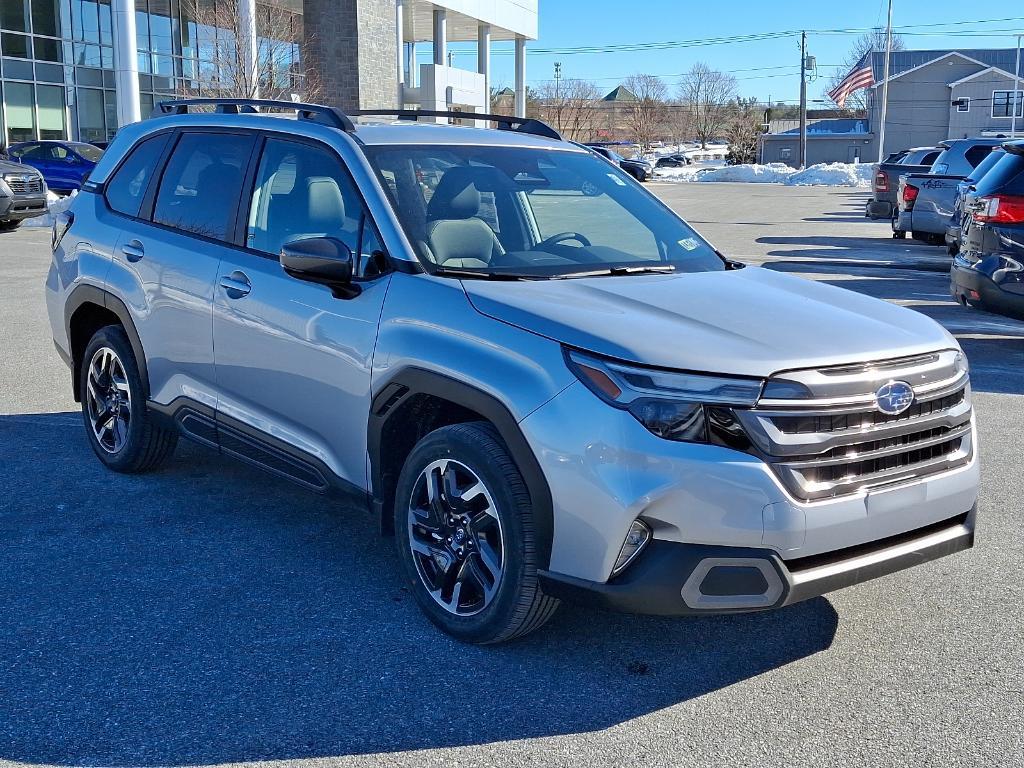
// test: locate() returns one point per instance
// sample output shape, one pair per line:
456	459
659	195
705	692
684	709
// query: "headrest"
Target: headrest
456	196
326	205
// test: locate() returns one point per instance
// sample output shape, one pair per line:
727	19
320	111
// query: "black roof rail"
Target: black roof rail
504	122
315	113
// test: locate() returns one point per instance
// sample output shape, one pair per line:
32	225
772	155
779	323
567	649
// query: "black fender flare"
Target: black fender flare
91	294
418	381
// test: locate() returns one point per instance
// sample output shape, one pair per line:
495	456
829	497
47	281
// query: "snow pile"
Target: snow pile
823	174
834	175
54	204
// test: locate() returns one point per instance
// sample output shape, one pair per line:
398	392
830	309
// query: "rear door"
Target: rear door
293	361
167	258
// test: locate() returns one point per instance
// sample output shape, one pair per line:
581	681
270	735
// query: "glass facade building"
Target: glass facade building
57	59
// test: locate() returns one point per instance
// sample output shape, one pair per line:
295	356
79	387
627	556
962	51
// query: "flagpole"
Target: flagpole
885	86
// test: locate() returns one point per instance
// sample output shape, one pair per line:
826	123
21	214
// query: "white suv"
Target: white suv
530	370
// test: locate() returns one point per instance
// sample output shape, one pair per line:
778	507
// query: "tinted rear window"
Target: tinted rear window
202	183
127	186
975	155
1005	176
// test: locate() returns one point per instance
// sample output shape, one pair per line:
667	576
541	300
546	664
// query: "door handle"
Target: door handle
133	251
236	285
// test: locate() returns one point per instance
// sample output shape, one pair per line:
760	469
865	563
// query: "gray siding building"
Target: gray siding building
933	96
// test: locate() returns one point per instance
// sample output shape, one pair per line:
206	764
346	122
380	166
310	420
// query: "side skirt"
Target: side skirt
201	424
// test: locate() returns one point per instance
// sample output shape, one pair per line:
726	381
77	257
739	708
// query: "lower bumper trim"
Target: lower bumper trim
666	579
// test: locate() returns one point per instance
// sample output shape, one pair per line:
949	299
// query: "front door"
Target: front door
293	362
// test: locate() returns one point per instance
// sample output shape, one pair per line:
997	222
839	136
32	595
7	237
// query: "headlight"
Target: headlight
686	407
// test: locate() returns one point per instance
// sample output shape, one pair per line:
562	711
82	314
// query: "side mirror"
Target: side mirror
324	260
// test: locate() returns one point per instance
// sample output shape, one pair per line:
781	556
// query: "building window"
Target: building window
50	101
963	104
17	46
1001	101
13	15
21	122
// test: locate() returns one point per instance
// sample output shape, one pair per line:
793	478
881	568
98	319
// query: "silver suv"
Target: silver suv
541	380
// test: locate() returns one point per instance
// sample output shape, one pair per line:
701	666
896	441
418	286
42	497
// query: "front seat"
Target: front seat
456	236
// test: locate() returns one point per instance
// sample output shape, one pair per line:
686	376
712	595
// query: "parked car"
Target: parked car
885	180
640	170
963	188
926	200
988	272
673	161
583	400
64	164
22	194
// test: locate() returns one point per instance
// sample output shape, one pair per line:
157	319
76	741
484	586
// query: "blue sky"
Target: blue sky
763	68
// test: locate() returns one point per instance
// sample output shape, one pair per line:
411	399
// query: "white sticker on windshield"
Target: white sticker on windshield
616	179
689	244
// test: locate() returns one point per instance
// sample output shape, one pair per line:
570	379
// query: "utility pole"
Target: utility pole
885	85
558	77
1016	94
803	100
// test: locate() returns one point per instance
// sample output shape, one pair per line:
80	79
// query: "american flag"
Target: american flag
861	76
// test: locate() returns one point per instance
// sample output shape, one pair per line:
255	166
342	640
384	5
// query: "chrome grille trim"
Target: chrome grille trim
838	442
20	187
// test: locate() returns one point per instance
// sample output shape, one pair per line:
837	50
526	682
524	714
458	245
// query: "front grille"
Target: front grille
24	185
838	442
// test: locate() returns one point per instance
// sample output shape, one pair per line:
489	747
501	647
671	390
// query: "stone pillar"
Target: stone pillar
350	45
127	62
520	76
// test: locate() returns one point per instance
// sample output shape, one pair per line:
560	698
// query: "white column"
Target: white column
440	36
247	48
520	76
400	48
483	61
126	62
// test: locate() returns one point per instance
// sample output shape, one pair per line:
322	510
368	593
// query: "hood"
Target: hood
750	321
12	166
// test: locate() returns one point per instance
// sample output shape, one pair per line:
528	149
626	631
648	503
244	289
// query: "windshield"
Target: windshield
531	213
88	151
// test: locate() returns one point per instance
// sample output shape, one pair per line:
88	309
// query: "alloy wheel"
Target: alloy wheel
108	400
455	537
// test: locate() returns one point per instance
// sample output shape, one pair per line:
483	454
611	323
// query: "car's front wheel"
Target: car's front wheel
118	427
466	538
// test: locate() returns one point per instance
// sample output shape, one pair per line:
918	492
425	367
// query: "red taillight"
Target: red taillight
882	181
910	193
1000	209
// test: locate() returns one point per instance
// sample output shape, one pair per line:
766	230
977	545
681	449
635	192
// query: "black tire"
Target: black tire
518	606
144	445
10	225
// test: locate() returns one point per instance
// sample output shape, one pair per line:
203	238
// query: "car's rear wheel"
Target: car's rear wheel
466	539
118	426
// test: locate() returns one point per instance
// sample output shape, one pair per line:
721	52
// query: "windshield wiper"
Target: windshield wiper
612	271
479	274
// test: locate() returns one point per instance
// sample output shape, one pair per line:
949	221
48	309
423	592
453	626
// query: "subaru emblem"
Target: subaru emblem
894	398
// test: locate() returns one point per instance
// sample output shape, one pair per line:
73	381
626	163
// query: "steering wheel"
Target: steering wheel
561	237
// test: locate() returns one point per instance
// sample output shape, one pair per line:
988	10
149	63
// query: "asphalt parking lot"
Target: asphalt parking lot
209	614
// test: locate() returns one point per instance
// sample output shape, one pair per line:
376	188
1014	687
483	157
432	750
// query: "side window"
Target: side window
975	155
929	159
202	182
128	185
31	152
304	191
57	152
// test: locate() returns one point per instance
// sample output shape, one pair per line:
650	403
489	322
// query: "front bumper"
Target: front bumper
22	207
676	579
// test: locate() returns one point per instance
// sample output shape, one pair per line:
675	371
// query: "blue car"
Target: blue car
64	164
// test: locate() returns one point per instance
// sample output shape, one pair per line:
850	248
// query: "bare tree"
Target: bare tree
569	105
743	127
708	93
863	45
646	113
222	67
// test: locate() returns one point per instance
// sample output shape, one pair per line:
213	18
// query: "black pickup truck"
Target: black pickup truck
886	178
